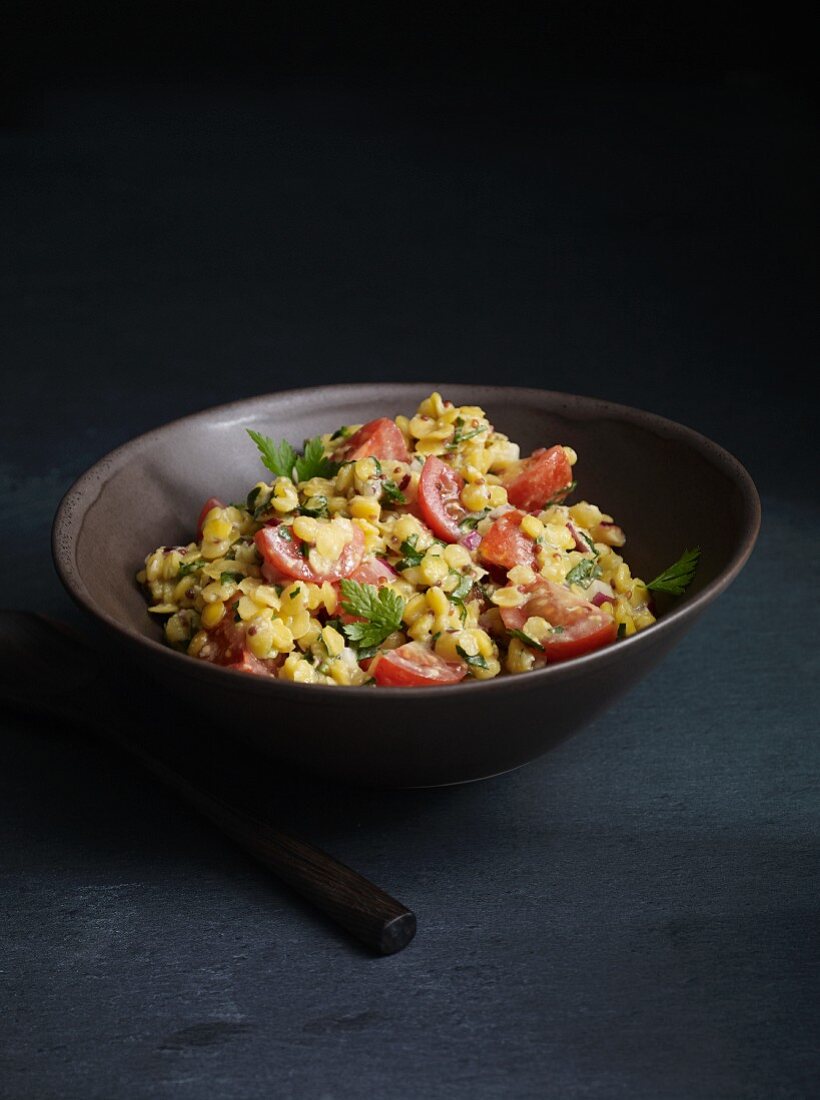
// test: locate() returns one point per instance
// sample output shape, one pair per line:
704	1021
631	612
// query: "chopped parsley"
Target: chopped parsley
584	573
621	630
590	543
473	660
380	608
460	592
556	498
460	436
392	493
341	433
319	512
411	556
527	640
188	567
472	520
231	578
677	578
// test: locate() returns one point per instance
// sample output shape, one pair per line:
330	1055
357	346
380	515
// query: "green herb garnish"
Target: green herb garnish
231	578
278	457
584	573
621	630
559	496
319	512
677	578
473	660
472	520
460	436
341	433
527	640
461	590
380	608
411	556
188	567
392	493
313	462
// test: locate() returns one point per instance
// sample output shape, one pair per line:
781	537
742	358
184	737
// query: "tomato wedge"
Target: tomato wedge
282	550
440	499
584	626
379	438
413	665
506	545
545	475
211	502
227	646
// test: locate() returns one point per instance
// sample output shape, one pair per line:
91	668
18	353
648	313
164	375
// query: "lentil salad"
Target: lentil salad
411	551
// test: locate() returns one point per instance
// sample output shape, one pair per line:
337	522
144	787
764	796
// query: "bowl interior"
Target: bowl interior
668	487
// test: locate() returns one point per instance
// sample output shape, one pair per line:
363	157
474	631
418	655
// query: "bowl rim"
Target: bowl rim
74	504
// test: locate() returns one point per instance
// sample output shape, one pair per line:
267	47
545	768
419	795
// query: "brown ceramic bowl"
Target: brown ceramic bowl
669	487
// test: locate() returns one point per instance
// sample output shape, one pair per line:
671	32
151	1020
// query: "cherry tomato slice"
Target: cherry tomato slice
227	646
545	474
506	545
413	665
584	626
380	438
282	550
440	499
211	502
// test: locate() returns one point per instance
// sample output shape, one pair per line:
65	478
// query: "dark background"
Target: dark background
205	201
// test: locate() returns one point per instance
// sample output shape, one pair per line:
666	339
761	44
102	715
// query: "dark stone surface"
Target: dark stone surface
634	915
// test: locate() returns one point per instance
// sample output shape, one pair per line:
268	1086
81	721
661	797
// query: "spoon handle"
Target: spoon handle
35	651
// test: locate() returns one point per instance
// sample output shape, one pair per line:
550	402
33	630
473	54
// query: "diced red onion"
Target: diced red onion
600	592
471	541
579	542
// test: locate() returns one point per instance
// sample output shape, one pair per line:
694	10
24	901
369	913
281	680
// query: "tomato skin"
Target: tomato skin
585	626
380	438
413	665
440	499
211	502
545	474
284	554
227	646
506	545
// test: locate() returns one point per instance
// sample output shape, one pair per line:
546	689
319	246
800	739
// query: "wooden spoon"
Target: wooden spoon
47	669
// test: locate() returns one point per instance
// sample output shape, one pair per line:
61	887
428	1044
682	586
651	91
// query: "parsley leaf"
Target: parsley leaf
412	556
677	578
313	462
341	433
278	457
584	573
320	511
527	640
381	609
472	660
459	436
472	520
190	567
392	493
231	578
461	590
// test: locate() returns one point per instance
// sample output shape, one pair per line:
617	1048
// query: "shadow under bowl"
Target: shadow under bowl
667	486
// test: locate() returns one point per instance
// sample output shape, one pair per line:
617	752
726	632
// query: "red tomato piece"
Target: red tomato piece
227	646
282	551
506	545
211	502
545	475
440	499
584	626
380	438
413	665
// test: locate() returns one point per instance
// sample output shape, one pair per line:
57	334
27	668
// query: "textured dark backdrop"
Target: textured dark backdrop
204	201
